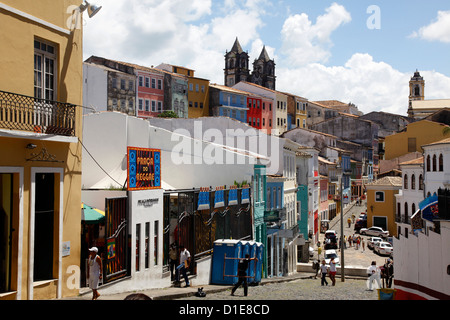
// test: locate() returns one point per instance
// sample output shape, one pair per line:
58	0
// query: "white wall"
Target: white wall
423	260
186	162
95	88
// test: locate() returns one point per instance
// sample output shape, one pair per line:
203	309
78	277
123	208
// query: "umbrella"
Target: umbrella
91	215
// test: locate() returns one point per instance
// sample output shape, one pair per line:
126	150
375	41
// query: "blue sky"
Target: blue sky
322	49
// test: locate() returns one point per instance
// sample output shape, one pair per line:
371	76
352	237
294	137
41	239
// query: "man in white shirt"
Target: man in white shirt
374	274
185	260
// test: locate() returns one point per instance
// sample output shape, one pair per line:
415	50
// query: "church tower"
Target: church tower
416	87
236	65
264	71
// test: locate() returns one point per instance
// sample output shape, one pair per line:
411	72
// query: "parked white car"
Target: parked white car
384	248
374	231
372	241
331	254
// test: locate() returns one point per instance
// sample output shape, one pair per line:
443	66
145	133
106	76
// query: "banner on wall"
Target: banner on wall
245	195
233	196
219	197
144	168
203	199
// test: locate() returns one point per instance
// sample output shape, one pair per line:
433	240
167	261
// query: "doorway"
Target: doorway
6	230
44	226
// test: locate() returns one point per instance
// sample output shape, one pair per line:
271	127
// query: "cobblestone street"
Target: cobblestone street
303	289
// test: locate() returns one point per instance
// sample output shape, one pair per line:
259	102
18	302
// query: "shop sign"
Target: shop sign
144	168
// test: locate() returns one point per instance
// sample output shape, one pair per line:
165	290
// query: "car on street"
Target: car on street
331	254
384	248
374	231
359	224
372	241
330	240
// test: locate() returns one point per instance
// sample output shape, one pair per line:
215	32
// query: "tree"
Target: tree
168	114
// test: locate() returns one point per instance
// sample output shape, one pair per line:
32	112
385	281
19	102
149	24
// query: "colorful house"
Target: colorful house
413	138
40	133
381	203
228	102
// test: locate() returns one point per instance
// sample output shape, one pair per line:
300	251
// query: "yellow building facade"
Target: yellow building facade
413	137
40	163
198	97
381	203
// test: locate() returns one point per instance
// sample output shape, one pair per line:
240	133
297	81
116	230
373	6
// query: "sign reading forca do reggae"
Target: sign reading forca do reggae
144	168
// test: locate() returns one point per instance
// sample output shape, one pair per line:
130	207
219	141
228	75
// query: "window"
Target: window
196	87
153	83
434	162
159	84
441	162
160	106
44	70
122	84
131	85
155	243
201	105
141	81
405	181
191	87
141	104
147	243
153	106
147	82
428	163
138	238
420	182
411	144
379	196
413	208
406	209
413	182
114	83
147	105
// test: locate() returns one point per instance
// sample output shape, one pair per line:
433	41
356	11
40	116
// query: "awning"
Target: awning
91	215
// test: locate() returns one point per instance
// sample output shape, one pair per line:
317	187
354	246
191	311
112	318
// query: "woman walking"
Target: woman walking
323	271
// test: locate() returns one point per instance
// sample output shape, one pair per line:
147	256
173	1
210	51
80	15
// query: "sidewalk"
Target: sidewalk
180	293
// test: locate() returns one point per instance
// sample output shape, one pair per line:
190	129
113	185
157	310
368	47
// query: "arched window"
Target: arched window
428	163
413	182
405	182
441	162
413	208
406	210
420	182
434	162
399	209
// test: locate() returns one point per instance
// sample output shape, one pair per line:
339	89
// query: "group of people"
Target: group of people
179	263
331	270
354	241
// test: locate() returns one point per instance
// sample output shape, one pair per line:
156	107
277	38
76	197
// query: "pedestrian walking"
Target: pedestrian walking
323	272
242	273
349	221
350	240
358	241
173	260
389	272
95	271
316	267
374	275
363	242
185	260
333	271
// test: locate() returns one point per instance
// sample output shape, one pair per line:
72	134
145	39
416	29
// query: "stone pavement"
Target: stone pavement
352	258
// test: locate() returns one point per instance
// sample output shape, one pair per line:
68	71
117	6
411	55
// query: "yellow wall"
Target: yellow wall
199	97
17	36
424	131
385	209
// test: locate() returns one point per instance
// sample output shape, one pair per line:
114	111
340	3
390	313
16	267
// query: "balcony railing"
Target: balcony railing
19	112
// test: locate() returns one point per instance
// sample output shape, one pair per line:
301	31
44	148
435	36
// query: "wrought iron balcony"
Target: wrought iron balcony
19	112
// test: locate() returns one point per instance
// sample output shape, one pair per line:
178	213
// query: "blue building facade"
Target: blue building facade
228	102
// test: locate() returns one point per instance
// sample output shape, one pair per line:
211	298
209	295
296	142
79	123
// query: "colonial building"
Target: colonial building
418	106
40	132
237	68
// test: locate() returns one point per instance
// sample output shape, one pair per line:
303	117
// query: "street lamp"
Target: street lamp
339	172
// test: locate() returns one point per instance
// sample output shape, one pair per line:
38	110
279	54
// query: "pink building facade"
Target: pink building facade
150	92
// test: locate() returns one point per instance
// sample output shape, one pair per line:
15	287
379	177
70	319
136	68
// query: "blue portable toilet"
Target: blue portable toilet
251	245
226	254
259	263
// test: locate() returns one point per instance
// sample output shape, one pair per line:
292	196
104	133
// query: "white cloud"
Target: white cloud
439	30
305	42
